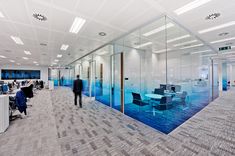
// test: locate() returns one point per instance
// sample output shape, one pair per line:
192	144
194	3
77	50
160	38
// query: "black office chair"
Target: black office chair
165	103
138	101
159	91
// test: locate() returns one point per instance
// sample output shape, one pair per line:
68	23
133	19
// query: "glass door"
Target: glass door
117	82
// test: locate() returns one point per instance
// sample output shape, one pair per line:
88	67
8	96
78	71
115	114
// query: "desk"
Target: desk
154	96
4	113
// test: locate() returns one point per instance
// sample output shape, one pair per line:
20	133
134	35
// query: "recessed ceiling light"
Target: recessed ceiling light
77	25
223	40
17	40
12	61
208	55
217	27
1	56
169	25
184	43
59	55
162	51
54	63
25	58
192	46
64	47
1	15
35	62
198	52
40	17
27	52
212	16
143	45
178	38
102	33
56	60
18	63
191	6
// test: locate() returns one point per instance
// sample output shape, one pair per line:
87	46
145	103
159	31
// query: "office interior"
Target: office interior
159	73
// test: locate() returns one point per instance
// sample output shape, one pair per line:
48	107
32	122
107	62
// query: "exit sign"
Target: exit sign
225	48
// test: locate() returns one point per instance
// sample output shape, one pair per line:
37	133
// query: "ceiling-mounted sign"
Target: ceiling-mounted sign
225	48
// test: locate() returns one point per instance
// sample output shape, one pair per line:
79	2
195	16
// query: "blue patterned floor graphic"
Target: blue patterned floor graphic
163	120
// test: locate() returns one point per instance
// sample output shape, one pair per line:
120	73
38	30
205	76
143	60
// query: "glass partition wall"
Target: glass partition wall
159	74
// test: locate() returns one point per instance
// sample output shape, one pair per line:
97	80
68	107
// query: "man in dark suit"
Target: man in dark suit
77	90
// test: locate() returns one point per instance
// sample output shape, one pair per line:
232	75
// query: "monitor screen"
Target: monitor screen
9	74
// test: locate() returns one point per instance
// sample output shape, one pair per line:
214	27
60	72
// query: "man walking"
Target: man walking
77	90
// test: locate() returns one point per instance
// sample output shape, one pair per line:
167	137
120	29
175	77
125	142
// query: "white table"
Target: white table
154	96
4	113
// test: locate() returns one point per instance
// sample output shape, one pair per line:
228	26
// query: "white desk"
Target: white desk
51	85
154	96
4	113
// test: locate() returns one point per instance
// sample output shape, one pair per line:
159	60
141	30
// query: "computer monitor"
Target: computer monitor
1	82
163	86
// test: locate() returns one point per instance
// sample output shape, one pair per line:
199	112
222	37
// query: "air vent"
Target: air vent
40	17
213	16
230	43
7	50
223	34
43	44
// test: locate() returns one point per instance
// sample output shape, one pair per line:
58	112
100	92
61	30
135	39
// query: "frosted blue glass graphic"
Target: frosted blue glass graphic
224	76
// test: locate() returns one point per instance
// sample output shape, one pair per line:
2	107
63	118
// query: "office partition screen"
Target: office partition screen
10	74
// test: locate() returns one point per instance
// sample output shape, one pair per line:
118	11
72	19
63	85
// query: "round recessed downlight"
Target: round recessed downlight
213	16
102	33
40	17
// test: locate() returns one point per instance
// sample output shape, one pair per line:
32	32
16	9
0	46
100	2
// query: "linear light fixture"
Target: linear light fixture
77	25
178	38
25	58
17	40
1	15
144	44
217	27
27	52
64	47
185	43
198	52
35	62
162	51
157	30
190	6
59	55
223	40
208	55
12	61
192	46
1	56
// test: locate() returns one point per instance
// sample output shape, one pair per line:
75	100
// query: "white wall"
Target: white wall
43	70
